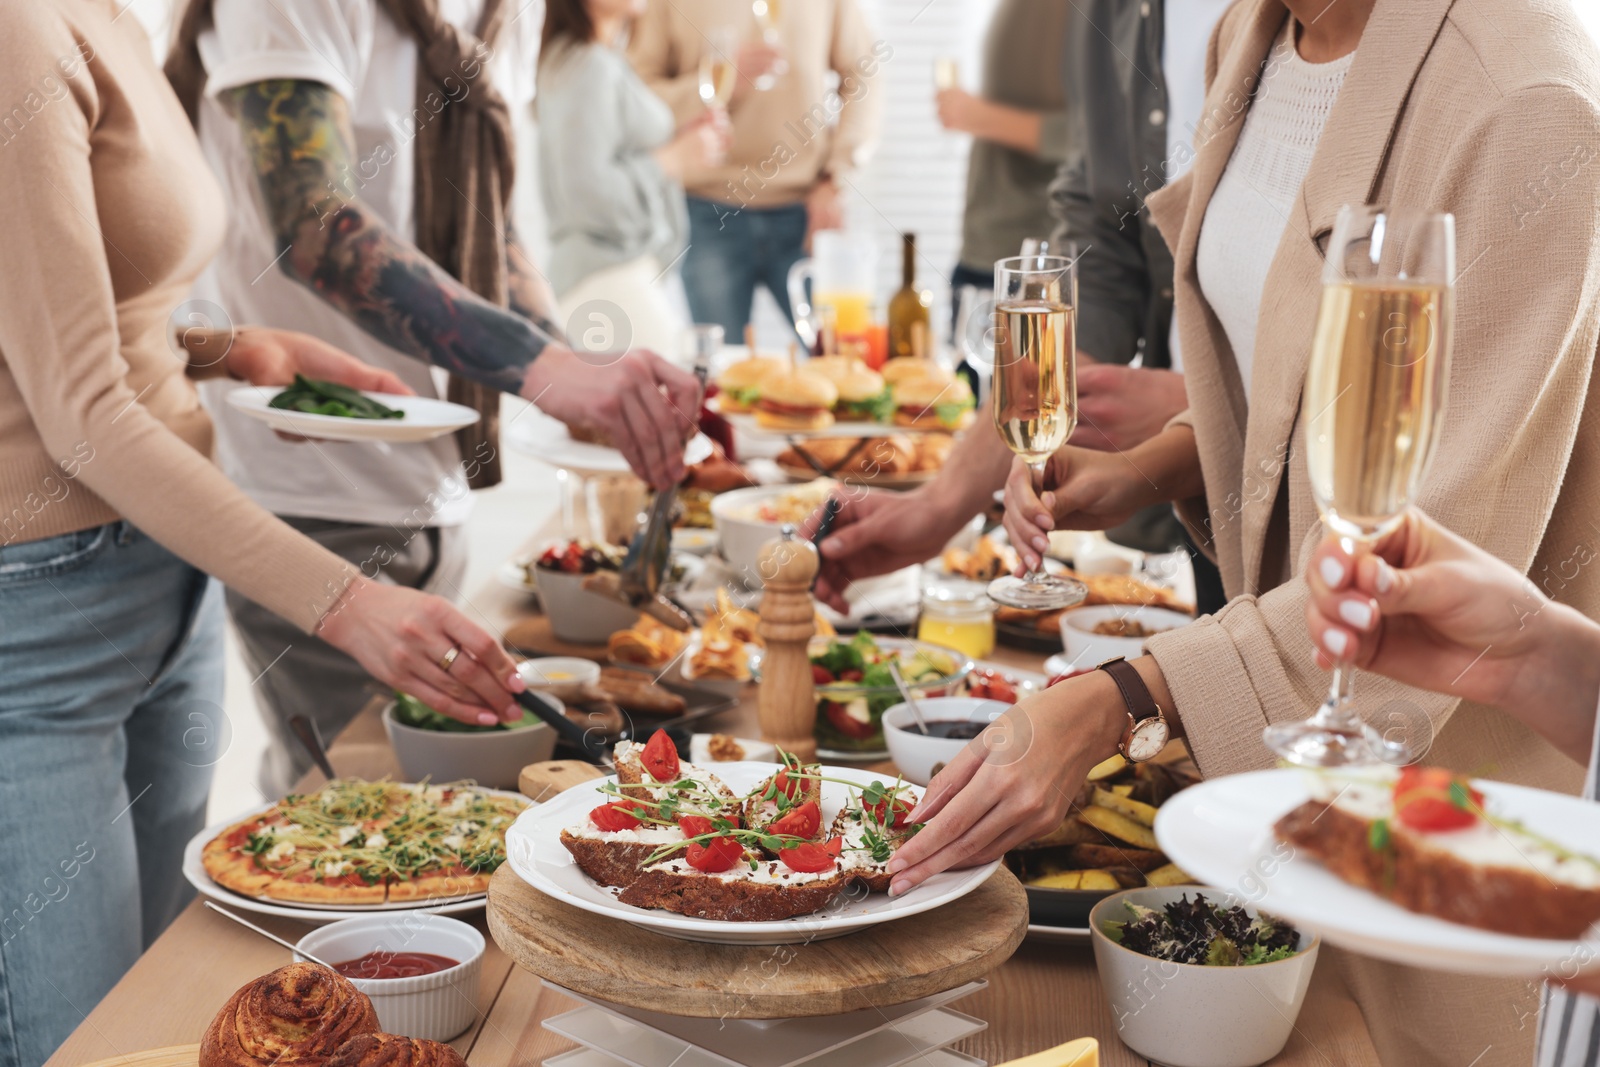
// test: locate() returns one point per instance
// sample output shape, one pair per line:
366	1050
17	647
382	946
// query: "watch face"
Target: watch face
1149	737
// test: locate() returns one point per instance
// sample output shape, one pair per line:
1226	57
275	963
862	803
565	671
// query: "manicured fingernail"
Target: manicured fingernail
896	865
1042	544
488	718
512	713
1357	613
515	683
1385	579
1332	571
1049	501
896	888
1335	641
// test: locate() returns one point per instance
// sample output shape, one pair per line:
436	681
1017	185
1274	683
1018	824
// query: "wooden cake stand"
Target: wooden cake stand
874	998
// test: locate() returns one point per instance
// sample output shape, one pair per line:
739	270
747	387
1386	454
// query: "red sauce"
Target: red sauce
395	965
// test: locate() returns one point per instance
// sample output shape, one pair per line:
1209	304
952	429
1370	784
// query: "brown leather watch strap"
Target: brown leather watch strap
1135	694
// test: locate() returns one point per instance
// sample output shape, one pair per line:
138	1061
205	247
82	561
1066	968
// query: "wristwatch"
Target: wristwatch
1147	730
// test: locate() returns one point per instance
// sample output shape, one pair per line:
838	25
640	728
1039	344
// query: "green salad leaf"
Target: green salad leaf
410	711
330	398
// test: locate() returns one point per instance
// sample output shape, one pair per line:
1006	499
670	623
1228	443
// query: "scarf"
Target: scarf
464	168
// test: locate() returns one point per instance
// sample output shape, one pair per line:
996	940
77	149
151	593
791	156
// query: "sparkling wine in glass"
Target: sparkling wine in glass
1374	401
717	71
946	73
1035	390
769	17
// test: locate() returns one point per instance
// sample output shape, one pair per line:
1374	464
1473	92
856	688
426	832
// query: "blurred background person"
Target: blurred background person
1019	125
612	165
795	142
111	667
1122	76
364	148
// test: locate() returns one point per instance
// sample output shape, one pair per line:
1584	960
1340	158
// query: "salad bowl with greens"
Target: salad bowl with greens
854	687
431	745
1196	978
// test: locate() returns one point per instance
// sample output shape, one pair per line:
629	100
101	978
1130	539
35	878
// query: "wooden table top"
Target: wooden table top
1044	995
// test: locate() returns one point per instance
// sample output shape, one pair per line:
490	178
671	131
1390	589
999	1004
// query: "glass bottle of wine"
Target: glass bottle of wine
909	306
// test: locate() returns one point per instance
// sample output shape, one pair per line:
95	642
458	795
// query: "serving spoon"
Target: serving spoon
905	693
269	935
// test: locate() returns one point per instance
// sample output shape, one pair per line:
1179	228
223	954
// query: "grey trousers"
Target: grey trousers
298	674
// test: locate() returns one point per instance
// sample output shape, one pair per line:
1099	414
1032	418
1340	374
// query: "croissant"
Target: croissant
297	1016
392	1050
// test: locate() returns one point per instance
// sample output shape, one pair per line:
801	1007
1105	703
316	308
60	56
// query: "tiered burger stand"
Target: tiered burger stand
875	998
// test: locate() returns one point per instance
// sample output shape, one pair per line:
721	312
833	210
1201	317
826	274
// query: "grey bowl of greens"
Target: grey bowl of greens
434	746
1196	979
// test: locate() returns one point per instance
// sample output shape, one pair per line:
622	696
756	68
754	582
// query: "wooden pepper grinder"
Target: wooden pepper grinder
787	702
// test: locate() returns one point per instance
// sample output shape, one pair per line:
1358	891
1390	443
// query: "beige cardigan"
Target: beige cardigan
108	214
1488	109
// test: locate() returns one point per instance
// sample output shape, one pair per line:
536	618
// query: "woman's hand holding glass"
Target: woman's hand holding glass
1429	608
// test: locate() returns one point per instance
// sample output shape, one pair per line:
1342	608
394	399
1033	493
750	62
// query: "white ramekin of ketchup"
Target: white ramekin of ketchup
420	970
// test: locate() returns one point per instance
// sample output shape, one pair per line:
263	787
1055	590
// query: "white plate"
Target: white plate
546	439
1220	831
194	870
535	852
426	417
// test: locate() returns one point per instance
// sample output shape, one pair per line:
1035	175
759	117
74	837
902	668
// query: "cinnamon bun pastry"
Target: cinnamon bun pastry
297	1016
392	1050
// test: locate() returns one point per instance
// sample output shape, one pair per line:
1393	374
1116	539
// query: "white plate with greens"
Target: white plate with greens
417	418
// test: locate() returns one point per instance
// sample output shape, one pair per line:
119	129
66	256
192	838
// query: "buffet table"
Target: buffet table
1044	995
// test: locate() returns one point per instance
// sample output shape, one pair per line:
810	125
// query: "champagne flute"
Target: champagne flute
769	16
1374	402
717	70
1036	390
946	73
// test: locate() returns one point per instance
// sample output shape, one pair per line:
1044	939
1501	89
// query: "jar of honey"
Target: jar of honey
958	616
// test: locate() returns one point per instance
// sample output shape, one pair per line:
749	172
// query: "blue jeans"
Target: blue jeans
731	251
110	721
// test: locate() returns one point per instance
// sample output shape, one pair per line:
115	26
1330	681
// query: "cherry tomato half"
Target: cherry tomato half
809	858
804	821
617	816
660	757
715	856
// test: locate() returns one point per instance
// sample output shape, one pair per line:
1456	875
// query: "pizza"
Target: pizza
357	842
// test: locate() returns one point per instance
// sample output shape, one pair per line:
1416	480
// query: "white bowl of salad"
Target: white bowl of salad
854	687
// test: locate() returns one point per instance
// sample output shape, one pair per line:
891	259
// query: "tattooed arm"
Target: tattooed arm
302	145
528	288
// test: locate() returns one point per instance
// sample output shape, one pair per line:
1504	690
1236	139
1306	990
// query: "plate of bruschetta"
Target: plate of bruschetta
750	853
1416	865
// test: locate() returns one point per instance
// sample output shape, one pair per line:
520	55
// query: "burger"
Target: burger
797	400
931	404
740	384
862	392
904	367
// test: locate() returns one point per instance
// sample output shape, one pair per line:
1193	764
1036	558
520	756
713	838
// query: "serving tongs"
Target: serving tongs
644	568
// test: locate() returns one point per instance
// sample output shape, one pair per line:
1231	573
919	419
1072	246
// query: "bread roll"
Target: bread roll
392	1050
297	1016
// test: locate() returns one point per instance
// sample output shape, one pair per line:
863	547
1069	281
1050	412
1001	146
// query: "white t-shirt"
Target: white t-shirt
1186	27
355	48
1250	208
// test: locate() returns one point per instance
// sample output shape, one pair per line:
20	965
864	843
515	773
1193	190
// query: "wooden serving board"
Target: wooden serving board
532	636
891	963
171	1056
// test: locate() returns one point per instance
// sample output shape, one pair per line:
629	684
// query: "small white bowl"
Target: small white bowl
1186	1015
436	1006
917	755
754	751
1085	647
562	677
742	536
492	758
577	615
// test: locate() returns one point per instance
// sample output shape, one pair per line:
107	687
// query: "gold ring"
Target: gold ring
447	660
